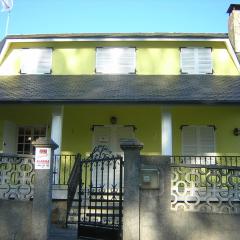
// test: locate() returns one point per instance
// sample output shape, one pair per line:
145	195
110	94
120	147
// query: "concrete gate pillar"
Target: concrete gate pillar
131	224
42	188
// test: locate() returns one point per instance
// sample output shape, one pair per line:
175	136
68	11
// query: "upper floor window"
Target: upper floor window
196	60
36	61
118	60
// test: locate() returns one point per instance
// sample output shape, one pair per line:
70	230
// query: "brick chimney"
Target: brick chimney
234	26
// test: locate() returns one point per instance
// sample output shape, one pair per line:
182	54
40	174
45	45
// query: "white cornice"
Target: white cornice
111	39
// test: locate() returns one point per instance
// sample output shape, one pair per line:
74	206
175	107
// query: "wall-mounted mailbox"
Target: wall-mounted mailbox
149	178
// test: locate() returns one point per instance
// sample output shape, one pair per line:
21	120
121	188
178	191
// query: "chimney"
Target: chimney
234	26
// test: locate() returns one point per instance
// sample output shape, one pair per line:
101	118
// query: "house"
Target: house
178	93
168	90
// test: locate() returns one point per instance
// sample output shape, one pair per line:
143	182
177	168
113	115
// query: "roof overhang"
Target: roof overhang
142	89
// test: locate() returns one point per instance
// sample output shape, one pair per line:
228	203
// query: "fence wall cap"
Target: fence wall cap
131	144
45	142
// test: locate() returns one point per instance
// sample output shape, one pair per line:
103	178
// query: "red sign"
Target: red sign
42	158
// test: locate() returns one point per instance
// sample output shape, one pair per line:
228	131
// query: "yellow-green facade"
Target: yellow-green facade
79	119
152	58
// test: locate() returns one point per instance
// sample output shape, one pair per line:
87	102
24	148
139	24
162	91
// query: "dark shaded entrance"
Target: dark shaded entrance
101	195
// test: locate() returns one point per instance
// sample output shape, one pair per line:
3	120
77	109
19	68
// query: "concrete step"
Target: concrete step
57	233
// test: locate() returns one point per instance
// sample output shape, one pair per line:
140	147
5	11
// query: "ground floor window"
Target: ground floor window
26	134
198	141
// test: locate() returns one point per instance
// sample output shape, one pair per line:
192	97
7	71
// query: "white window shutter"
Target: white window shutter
189	140
204	60
102	136
36	61
206	140
115	60
124	133
196	60
187	60
198	140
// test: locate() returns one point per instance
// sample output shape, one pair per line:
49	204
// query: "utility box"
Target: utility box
149	178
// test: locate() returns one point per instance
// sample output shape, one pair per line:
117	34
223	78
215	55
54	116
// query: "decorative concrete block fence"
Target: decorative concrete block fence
21	218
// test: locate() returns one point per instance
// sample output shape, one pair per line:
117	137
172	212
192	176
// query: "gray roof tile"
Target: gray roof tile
121	88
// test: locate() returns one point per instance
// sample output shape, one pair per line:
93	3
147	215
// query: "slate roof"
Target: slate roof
179	89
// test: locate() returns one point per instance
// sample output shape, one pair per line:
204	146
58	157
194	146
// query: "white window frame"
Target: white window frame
115	60
199	157
36	61
32	127
196	60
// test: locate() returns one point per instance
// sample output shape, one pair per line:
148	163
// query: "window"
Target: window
196	60
118	60
198	141
36	61
26	135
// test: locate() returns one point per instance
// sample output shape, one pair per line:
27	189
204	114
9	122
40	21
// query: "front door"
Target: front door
110	137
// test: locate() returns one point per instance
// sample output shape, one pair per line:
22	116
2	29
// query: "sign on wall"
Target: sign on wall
42	158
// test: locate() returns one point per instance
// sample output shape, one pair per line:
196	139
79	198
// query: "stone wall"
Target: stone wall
159	222
15	220
59	212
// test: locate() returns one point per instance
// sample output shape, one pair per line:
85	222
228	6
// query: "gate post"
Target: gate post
131	224
42	188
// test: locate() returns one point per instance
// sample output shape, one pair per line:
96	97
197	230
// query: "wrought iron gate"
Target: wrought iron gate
101	195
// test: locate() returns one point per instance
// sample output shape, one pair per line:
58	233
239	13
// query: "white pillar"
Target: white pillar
56	136
56	130
166	132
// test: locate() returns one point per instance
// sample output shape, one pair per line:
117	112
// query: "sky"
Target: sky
95	16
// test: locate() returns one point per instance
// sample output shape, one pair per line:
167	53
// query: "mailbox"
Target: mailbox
149	178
